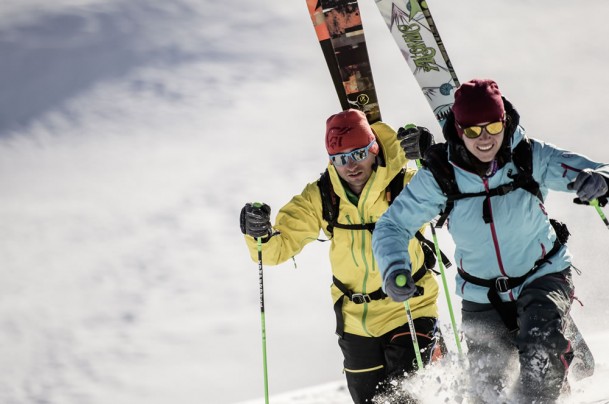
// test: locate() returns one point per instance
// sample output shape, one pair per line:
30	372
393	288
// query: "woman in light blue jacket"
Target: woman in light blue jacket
514	273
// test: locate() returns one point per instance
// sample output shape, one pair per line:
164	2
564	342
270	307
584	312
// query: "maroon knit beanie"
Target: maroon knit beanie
349	130
477	101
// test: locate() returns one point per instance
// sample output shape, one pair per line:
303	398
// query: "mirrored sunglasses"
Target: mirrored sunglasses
492	128
342	159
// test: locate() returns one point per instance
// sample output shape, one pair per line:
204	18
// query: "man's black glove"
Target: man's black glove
399	285
415	140
255	220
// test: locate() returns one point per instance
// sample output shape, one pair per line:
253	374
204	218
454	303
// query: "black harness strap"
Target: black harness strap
419	236
362	226
330	209
432	257
360	298
436	160
330	201
502	284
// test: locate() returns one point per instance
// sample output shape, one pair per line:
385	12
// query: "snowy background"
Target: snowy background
133	131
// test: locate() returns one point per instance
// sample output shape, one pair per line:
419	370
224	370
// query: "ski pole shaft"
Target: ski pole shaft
401	281
443	274
594	203
263	322
262	319
446	292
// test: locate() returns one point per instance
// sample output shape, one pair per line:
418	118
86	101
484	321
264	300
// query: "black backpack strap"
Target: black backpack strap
361	298
329	200
430	248
395	186
363	226
436	161
503	284
522	157
357	298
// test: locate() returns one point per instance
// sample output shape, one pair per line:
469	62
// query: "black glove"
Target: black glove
589	185
255	220
602	201
415	140
400	293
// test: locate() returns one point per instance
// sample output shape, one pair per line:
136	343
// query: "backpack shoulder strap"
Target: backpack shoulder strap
395	186
436	161
329	200
522	157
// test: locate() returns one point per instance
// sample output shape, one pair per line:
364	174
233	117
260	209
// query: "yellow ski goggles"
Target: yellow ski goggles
492	128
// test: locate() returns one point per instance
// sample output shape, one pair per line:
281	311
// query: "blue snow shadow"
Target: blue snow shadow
56	56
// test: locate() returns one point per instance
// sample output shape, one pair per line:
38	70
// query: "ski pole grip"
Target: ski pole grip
258	239
400	280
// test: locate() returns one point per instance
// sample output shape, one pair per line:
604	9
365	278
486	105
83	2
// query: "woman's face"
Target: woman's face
486	146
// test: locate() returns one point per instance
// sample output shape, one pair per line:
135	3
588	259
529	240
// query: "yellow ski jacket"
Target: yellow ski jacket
300	221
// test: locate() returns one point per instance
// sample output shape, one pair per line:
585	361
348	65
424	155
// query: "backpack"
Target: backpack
330	207
330	201
436	160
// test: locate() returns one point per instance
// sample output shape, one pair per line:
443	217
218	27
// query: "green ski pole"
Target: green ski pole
400	280
262	320
594	203
448	301
442	272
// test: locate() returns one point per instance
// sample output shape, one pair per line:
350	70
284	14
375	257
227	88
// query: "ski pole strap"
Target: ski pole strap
502	284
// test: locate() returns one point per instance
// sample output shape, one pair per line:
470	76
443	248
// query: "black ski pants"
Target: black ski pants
372	362
539	346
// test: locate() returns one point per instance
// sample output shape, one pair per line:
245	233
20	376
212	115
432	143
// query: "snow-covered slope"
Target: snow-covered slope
445	382
131	134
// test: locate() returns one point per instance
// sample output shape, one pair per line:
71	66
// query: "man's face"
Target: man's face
356	173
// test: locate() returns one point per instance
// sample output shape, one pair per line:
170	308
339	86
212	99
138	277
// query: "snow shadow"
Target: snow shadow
55	55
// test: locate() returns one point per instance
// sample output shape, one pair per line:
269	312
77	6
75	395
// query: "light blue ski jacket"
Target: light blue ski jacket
519	234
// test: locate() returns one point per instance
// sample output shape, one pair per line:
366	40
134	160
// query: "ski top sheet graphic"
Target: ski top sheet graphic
415	33
321	30
339	29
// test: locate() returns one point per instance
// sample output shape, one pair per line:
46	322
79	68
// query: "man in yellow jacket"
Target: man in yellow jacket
373	331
